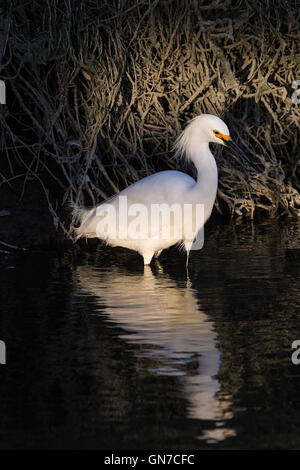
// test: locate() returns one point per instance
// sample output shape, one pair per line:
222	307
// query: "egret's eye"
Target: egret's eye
221	136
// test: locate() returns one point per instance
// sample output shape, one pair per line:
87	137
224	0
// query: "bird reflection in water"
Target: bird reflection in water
175	331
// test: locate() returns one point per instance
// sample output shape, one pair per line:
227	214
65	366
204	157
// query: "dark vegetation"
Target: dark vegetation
97	92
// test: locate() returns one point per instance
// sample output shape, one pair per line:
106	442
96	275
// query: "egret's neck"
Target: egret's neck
207	176
205	163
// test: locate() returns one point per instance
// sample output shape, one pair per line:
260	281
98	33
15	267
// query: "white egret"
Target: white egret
117	222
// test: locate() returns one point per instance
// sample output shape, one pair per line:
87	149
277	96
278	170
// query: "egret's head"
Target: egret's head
212	129
217	132
206	129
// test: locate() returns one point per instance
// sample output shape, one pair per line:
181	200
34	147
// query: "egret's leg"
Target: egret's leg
187	261
158	266
188	246
148	255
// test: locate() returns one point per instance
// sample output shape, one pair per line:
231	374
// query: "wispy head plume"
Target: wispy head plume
182	144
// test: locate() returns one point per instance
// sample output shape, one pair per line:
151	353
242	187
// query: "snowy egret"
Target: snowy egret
127	219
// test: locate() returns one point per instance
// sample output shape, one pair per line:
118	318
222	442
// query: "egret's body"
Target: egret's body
167	188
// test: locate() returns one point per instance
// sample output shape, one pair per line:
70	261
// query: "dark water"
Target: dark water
104	354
